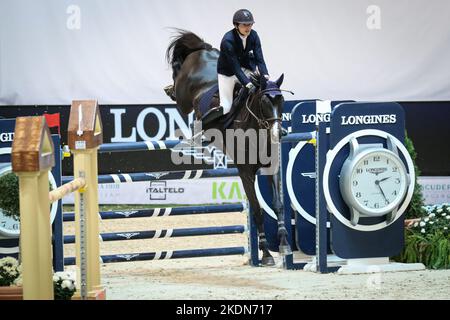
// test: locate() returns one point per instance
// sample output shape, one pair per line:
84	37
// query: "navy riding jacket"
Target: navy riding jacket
233	57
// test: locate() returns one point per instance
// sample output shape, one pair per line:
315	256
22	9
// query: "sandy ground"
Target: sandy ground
230	277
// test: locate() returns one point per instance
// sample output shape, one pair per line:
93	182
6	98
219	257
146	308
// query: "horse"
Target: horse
194	72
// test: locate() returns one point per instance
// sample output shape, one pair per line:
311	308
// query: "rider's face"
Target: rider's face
245	29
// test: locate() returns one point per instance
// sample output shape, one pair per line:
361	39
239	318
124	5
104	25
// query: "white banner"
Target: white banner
209	191
54	51
435	190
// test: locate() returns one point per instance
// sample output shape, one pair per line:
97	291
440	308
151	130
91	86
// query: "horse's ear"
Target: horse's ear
262	82
280	80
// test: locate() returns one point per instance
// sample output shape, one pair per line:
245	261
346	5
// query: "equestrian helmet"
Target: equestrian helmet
243	16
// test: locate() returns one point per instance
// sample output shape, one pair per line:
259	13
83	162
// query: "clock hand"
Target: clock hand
377	182
383	179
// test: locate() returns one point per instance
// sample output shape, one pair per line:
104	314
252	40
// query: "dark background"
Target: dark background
427	124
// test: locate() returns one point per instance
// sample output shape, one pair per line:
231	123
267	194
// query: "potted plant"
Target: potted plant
63	285
427	240
10	279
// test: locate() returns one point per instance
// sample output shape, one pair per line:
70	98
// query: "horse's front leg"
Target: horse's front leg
277	205
248	181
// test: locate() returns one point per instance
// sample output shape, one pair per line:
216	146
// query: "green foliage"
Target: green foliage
428	240
9	195
416	206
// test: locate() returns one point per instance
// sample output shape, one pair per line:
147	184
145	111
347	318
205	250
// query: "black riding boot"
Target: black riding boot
169	90
211	115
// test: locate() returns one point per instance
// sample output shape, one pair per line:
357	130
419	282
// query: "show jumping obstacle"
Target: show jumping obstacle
32	158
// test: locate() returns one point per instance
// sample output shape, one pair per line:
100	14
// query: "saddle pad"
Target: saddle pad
205	100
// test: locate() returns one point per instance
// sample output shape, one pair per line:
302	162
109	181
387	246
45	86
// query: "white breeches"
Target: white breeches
226	88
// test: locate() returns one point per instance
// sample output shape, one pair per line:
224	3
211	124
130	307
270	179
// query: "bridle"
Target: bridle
263	122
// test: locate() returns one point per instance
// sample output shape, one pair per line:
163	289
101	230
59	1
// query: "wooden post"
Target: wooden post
32	157
85	135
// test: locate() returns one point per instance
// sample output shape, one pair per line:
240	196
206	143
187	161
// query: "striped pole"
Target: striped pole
141	146
167	233
170	144
164	212
161	255
168	175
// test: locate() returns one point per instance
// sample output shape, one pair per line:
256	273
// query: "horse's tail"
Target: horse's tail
183	44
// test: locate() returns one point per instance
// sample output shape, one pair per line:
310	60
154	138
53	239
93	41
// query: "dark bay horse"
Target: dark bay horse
194	66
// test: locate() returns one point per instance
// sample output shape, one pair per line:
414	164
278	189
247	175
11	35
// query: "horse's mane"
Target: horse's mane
183	44
255	78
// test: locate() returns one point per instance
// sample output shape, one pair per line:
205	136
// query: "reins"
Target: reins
263	123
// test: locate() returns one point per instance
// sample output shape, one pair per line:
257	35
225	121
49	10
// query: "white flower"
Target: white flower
432	215
444	214
18	282
415	224
422	230
427	219
422	224
439	210
447	217
445	228
431	222
66	284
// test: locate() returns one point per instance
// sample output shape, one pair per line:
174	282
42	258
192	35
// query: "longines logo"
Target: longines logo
372	119
205	154
311	175
168	118
376	171
157	175
312	118
158	190
6	136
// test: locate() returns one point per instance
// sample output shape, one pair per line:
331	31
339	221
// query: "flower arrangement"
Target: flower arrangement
10	272
11	275
427	240
63	285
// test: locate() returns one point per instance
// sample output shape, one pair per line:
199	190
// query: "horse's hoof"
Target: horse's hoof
267	261
285	250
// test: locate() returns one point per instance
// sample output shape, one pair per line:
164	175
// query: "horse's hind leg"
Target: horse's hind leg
277	205
248	181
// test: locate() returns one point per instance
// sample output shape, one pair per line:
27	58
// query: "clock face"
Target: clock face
378	182
9	226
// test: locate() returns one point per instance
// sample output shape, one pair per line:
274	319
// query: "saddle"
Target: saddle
210	99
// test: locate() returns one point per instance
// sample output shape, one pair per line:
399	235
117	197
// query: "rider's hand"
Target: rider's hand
251	88
267	77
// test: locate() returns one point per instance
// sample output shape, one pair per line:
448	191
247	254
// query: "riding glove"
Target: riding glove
251	88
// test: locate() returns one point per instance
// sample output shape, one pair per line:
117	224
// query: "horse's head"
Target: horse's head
266	105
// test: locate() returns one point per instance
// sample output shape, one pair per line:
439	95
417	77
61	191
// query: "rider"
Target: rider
240	54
